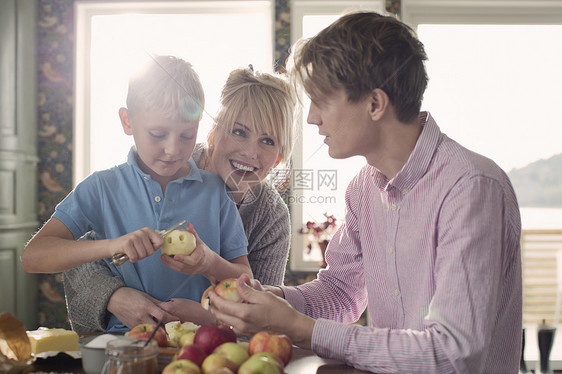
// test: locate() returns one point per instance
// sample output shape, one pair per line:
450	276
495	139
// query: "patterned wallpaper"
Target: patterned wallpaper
55	39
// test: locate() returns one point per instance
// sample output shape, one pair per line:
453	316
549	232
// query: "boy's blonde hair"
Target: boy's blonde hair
167	85
359	52
269	100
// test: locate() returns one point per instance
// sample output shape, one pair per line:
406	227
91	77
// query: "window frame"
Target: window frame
300	9
85	10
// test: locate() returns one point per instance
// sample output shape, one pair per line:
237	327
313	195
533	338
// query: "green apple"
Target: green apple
187	338
181	367
270	357
215	361
233	351
257	365
179	242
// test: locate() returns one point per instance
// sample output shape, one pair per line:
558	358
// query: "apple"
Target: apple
144	330
266	356
187	338
210	336
222	371
191	352
205	301
215	361
226	289
233	351
257	365
179	242
181	367
272	342
176	329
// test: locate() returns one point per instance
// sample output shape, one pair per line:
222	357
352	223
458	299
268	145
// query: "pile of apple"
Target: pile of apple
215	349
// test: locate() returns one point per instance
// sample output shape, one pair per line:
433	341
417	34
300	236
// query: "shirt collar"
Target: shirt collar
419	160
194	171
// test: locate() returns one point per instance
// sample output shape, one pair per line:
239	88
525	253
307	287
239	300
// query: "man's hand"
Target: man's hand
133	307
262	310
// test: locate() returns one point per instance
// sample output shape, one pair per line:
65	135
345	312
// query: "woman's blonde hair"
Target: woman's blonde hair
168	85
270	103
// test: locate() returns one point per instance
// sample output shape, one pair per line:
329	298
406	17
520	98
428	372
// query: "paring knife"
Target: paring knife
120	258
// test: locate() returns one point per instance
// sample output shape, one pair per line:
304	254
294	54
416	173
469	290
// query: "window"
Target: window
114	38
319	182
495	88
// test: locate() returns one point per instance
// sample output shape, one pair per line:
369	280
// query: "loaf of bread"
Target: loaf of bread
14	343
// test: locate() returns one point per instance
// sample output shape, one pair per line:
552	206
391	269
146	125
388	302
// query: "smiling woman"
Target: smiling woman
113	39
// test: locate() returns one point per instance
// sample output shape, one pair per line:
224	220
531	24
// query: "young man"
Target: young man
430	241
157	187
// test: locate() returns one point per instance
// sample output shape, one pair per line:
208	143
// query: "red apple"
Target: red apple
191	352
272	342
215	361
233	351
181	367
210	336
226	289
144	330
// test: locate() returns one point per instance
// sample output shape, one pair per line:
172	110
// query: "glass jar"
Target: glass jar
130	356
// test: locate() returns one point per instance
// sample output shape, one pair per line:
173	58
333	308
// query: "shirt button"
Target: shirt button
396	293
405	191
390	250
145	178
393	206
157	199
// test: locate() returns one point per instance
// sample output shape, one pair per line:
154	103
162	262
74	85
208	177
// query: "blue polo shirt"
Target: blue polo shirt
123	199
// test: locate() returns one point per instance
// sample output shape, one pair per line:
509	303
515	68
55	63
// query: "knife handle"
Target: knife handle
120	258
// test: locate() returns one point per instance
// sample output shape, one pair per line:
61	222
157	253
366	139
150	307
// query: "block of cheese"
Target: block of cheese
59	340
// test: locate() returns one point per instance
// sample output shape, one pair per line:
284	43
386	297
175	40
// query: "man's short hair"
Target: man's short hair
360	52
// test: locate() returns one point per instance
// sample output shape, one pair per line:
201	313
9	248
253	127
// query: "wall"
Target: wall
55	47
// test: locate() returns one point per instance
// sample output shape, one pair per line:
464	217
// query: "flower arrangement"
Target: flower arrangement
319	234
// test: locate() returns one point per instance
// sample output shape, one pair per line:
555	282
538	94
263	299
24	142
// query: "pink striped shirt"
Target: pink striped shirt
435	255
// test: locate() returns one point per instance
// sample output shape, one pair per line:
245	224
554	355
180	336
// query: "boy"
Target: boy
159	186
430	241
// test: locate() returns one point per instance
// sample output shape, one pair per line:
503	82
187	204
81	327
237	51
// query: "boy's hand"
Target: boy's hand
137	244
198	262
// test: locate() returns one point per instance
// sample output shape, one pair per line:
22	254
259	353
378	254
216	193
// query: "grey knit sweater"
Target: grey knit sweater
265	216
